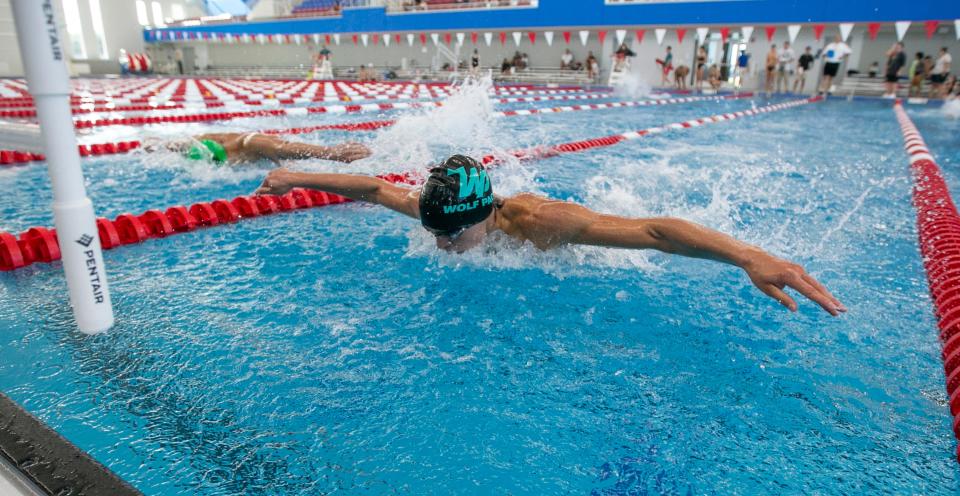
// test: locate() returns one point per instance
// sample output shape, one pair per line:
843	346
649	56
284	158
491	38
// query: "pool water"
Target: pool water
335	350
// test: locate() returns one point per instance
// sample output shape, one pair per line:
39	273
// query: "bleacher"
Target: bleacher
863	85
434	5
319	8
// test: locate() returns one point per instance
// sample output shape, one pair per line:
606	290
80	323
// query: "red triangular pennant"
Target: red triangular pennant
872	29
396	38
931	27
602	35
724	34
423	39
533	37
818	31
447	38
503	38
376	39
566	37
680	34
327	38
771	30
473	37
355	38
640	34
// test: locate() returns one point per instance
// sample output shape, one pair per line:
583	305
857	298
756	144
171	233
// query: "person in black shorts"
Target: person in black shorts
475	60
833	55
896	59
803	66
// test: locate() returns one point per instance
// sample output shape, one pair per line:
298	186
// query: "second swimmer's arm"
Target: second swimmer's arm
355	187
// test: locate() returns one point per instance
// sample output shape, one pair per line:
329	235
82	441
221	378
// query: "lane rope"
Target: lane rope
39	244
10	157
938	230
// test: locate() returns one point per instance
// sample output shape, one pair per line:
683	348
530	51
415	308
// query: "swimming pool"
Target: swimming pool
335	349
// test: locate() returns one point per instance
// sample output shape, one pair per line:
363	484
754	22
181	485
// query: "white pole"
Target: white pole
43	53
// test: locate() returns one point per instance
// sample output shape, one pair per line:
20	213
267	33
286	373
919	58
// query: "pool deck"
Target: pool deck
13	483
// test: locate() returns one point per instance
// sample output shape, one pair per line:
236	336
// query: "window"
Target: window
72	13
101	36
176	12
142	16
157	13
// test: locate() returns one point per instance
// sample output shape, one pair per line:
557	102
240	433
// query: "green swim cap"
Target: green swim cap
207	150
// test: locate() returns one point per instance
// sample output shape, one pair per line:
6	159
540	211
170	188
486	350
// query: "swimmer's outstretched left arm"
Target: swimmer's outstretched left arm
554	223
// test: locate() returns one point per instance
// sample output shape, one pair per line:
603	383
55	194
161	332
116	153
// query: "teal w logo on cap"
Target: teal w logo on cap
476	182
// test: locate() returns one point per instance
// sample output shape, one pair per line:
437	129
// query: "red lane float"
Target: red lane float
12	157
938	229
299	111
541	152
129	229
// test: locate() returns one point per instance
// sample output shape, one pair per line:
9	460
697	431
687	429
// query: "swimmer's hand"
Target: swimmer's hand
277	182
771	275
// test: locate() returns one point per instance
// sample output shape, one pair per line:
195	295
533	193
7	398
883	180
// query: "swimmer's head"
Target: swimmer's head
208	150
455	201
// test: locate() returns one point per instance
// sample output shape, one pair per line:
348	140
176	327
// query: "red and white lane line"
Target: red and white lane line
541	152
39	244
10	157
938	229
373	125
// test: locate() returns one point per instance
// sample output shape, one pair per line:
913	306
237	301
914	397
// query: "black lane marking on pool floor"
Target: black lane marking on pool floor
51	462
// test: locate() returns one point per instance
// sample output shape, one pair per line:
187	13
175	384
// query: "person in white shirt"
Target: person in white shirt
566	59
785	60
833	55
939	74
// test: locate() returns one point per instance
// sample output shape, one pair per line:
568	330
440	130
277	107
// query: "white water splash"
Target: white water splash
951	108
632	85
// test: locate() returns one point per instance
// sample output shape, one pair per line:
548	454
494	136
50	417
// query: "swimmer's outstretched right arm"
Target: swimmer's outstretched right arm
360	188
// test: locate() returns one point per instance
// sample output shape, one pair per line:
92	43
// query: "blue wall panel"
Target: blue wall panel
594	13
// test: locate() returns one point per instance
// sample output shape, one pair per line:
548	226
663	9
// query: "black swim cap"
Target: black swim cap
456	196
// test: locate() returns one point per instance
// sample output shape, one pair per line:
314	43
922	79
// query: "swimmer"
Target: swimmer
240	148
457	205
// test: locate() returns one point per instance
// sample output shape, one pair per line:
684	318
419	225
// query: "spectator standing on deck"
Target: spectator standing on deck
701	66
916	75
833	55
803	67
939	74
593	67
743	68
666	65
772	58
475	61
785	60
896	59
566	60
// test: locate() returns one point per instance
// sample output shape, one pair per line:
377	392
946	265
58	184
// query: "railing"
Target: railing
320	8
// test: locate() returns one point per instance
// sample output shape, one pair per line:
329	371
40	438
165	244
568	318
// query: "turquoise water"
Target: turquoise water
334	350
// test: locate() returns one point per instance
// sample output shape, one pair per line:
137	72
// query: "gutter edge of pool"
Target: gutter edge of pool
41	461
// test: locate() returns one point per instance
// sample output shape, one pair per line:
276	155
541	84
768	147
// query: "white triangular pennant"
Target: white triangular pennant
901	29
386	39
793	30
436	38
488	37
584	36
747	32
956	28
549	37
516	37
364	38
336	39
702	34
279	39
621	34
298	39
410	39
262	39
845	29
660	32
316	39
229	38
460	37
